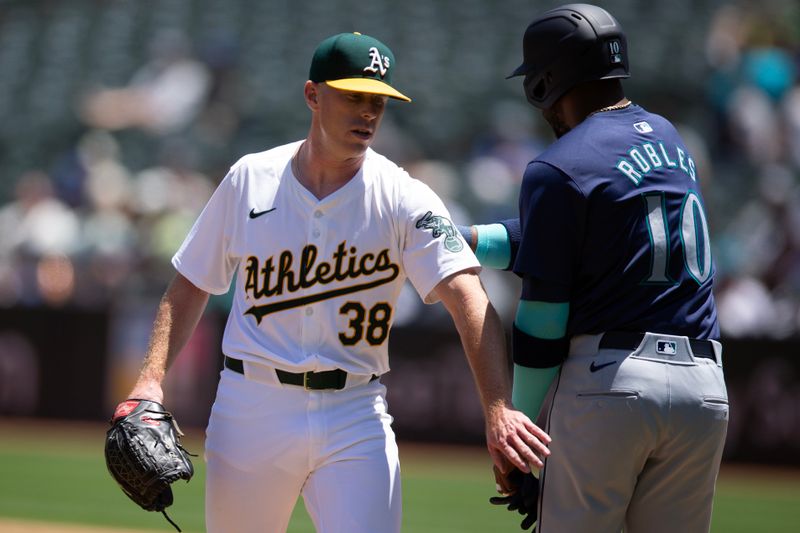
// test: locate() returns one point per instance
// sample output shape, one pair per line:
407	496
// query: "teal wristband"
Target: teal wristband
494	248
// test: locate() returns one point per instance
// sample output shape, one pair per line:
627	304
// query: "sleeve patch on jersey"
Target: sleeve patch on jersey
534	352
439	226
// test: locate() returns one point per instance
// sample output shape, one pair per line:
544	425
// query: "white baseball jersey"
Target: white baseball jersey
317	280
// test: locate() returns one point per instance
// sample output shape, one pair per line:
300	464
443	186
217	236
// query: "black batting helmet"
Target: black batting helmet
569	45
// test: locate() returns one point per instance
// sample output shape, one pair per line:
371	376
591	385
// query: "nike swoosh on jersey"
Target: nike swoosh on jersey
256	214
594	367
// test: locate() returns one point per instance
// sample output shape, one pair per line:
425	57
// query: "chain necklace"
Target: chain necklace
612	108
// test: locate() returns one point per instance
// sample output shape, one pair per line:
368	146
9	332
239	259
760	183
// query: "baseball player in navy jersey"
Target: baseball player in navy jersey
321	234
616	318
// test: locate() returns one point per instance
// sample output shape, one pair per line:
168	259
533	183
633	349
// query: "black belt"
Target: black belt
327	379
629	340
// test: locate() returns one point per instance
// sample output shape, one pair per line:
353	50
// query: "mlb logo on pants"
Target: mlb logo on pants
666	347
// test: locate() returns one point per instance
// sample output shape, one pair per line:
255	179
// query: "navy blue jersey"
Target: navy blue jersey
613	222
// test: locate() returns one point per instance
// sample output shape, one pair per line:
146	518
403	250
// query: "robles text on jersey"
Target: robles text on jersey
646	157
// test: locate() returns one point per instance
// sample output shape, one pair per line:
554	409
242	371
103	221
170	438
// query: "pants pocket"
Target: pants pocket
613	394
715	400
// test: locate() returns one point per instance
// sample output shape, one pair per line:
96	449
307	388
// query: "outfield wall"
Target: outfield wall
70	364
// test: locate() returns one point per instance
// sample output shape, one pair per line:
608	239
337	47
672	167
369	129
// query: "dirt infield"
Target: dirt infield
24	526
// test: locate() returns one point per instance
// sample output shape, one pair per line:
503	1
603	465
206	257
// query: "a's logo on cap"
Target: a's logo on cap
379	63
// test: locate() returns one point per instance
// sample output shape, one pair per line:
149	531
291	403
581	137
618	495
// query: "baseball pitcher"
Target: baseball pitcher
320	235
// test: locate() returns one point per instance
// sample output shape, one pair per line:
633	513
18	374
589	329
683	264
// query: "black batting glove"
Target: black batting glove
523	496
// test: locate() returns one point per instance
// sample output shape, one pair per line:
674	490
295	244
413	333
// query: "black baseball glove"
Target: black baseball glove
519	492
144	454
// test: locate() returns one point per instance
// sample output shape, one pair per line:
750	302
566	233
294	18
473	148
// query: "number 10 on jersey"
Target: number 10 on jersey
695	240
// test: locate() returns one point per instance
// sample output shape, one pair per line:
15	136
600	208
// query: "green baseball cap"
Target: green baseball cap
355	62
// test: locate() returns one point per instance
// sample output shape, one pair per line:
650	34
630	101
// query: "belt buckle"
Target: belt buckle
306	380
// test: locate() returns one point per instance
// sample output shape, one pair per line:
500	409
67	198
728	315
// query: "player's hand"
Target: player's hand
506	480
512	438
148	390
522	495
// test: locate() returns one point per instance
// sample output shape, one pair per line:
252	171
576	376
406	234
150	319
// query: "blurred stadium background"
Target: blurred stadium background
119	117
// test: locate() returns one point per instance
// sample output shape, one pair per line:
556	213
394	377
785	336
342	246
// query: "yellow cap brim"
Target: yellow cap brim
368	85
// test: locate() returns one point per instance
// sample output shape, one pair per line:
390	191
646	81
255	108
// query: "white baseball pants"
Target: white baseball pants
267	443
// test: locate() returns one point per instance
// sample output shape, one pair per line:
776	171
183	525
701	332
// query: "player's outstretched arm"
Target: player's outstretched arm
509	433
178	313
495	245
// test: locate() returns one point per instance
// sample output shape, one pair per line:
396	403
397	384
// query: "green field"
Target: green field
56	473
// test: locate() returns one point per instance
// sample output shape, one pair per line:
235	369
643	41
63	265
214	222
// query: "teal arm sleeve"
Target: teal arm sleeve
494	246
540	324
545	320
530	388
